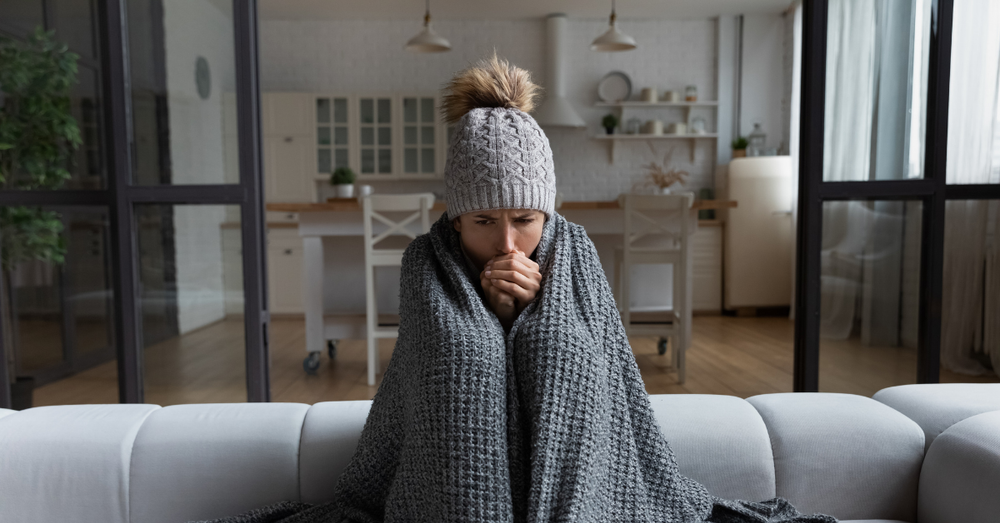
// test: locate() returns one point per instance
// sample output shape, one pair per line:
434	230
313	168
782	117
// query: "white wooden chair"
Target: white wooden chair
373	206
657	230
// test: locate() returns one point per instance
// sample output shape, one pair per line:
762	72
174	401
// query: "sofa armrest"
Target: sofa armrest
960	477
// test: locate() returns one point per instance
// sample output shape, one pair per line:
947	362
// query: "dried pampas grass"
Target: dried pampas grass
490	82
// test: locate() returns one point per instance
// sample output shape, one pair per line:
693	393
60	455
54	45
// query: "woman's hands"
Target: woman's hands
510	282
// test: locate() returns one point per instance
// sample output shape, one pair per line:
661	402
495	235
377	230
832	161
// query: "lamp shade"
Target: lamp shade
427	41
613	40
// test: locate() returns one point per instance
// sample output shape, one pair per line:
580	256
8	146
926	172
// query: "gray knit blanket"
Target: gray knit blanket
549	422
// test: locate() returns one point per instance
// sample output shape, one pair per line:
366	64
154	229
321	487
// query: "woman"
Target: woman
512	393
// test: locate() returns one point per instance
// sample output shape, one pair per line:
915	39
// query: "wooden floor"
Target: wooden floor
729	355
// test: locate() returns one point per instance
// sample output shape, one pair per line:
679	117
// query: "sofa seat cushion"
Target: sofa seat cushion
935	407
719	441
330	435
71	462
198	462
866	453
960	480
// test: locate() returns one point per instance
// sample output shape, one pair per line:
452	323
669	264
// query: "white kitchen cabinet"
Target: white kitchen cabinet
706	255
287	113
422	135
284	271
335	133
376	119
288	169
289	150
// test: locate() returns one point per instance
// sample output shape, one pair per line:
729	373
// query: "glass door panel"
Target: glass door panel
876	77
191	276
869	295
183	71
62	332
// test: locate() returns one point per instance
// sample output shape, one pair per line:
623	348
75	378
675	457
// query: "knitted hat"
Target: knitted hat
498	158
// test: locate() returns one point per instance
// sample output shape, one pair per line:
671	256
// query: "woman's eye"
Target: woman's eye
526	220
481	222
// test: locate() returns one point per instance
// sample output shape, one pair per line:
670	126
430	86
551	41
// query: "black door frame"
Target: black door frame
933	191
121	196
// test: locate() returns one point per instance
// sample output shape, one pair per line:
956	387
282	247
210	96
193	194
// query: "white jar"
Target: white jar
653	127
677	128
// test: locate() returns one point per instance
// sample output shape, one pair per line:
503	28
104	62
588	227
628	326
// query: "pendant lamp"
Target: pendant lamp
427	41
613	39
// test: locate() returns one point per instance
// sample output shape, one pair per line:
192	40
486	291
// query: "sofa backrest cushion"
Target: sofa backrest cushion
960	480
719	441
68	463
330	436
847	456
937	406
198	462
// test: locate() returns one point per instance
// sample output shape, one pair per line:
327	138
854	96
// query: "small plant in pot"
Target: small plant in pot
342	180
740	147
609	122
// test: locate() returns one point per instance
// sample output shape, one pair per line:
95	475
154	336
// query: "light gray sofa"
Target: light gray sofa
850	456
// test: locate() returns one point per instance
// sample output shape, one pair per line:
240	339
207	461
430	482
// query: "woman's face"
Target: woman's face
486	234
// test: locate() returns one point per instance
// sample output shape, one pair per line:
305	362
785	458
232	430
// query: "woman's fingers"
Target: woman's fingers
515	278
496	296
520	293
505	269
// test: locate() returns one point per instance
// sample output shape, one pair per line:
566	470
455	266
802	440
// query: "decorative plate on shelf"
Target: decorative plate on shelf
616	86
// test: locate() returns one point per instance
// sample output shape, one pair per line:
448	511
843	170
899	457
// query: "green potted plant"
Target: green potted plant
38	136
342	180
609	122
740	147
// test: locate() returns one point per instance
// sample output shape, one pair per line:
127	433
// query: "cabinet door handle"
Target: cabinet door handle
288	251
288	139
782	213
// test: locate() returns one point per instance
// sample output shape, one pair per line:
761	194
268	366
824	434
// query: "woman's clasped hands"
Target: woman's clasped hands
510	281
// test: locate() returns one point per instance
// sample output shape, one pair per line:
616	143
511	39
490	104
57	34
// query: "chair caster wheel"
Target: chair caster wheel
661	347
331	349
311	363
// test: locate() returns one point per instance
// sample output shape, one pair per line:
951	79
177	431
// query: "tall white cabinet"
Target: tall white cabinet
289	147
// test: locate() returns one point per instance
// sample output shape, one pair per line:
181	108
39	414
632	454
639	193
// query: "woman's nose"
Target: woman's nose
507	240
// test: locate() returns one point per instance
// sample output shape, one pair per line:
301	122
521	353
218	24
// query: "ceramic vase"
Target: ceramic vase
344	190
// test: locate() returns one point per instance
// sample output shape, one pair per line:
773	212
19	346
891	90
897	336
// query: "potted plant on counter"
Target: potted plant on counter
740	147
342	180
609	122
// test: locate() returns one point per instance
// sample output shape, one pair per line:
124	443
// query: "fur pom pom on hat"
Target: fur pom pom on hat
498	158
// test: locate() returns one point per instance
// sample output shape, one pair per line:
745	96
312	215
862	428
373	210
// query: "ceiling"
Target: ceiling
511	9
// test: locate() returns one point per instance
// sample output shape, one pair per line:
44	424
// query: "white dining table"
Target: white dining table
343	218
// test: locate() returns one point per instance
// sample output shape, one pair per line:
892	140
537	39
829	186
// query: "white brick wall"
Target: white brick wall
360	56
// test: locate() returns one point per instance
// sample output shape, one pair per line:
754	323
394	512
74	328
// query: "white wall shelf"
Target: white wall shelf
656	104
615	138
687	107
